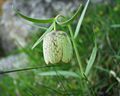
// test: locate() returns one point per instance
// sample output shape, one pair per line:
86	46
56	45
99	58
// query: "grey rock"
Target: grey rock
46	8
101	1
13	30
14	62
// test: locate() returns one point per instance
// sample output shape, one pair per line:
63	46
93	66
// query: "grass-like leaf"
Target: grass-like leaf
102	69
41	38
81	19
26	69
69	20
60	72
115	26
91	60
34	20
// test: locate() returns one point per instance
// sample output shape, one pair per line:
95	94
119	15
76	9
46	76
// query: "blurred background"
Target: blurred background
17	37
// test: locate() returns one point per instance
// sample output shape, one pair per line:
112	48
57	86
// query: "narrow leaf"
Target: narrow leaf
60	72
115	26
25	69
81	19
34	20
102	69
40	39
91	60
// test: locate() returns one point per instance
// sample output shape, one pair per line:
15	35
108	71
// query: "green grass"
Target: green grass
97	80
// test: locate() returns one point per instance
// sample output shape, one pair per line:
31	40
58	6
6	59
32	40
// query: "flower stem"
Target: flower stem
82	85
55	26
76	50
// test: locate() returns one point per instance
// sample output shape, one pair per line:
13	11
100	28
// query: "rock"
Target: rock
14	62
14	31
102	1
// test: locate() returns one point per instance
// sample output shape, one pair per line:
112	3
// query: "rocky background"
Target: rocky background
14	31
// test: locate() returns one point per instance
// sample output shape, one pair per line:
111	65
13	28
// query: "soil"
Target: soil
2	54
1	3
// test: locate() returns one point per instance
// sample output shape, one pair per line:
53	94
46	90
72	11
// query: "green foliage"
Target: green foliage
41	38
33	19
100	25
63	73
91	60
81	19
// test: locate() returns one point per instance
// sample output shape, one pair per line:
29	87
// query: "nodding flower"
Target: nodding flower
57	47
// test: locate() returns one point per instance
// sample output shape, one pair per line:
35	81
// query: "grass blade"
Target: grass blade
26	69
81	19
40	39
102	69
91	60
35	20
62	73
115	26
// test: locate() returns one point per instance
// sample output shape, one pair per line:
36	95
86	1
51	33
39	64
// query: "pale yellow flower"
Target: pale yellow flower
57	47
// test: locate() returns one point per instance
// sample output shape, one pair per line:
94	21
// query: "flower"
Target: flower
57	47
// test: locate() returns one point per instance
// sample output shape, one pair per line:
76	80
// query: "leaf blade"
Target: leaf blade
34	20
91	60
81	19
40	39
60	72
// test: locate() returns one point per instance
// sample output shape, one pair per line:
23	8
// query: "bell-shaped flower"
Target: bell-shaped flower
57	47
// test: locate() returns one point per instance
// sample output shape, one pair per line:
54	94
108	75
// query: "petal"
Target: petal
67	50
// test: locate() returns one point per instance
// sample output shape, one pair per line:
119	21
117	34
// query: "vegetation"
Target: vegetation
94	69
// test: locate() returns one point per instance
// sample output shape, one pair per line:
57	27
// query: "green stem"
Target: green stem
76	50
78	59
55	26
